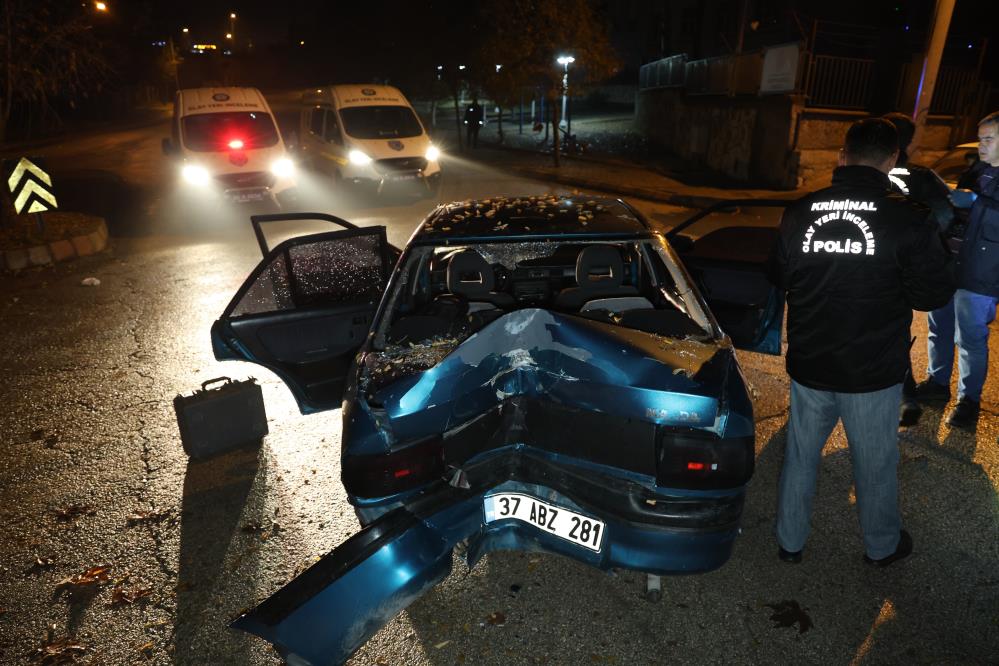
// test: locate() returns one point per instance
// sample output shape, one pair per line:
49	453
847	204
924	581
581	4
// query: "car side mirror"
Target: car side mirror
168	148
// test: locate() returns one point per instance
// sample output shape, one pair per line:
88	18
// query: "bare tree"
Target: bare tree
49	52
527	36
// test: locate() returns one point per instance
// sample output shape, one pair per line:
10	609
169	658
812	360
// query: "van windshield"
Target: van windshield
210	132
380	122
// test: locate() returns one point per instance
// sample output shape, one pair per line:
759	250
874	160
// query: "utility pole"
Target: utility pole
931	67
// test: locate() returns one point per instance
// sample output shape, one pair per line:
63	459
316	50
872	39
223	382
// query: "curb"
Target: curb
685	200
55	251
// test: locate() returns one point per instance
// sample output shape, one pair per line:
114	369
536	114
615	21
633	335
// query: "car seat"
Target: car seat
599	277
469	275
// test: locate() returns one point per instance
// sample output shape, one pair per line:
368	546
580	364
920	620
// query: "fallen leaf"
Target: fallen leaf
94	575
74	511
787	613
150	516
63	651
496	619
148	647
119	595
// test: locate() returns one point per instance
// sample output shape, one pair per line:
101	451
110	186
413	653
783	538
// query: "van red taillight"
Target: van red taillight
236	144
695	459
393	472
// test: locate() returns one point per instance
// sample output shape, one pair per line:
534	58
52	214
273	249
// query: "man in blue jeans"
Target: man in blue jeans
974	305
855	259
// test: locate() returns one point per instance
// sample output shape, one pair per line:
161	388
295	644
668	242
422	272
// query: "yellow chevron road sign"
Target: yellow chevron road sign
30	186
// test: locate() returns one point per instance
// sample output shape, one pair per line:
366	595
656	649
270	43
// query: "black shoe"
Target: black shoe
909	413
964	414
929	391
788	556
902	551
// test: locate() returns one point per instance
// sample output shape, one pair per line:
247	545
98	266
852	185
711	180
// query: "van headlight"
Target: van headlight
432	154
283	168
358	158
195	175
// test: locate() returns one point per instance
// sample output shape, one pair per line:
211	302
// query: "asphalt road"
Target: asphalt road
93	474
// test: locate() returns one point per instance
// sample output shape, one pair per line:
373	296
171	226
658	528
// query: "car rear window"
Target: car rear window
380	122
212	132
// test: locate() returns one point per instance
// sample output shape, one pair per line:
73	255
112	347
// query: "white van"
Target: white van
228	144
366	134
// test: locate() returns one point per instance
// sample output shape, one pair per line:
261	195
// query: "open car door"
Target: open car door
306	308
328	611
729	266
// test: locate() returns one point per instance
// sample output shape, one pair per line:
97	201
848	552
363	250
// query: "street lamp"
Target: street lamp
101	6
185	30
228	35
565	61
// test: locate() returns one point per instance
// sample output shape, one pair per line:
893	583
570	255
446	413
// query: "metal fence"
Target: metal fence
839	83
832	82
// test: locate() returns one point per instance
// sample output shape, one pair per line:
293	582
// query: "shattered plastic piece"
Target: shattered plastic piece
90	282
441	644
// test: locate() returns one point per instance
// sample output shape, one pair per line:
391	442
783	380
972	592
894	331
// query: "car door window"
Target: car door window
332	130
316	121
327	273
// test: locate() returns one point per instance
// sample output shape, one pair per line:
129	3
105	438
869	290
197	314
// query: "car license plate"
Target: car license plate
568	525
405	176
243	197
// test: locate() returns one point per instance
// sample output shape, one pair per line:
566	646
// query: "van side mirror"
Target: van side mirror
168	148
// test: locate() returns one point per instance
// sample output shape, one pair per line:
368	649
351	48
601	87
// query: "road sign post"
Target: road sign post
30	188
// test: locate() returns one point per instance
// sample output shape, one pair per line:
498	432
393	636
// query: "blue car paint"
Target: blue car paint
338	618
565	359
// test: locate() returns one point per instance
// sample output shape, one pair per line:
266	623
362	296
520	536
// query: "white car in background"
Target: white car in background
227	144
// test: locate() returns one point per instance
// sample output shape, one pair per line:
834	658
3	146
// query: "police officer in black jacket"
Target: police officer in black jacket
855	259
923	185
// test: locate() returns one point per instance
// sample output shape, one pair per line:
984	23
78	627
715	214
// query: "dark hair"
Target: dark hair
906	128
870	140
991	119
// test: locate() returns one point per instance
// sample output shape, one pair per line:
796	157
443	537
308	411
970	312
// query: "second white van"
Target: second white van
366	134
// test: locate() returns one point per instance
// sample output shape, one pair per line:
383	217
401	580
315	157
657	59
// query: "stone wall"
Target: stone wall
769	140
747	138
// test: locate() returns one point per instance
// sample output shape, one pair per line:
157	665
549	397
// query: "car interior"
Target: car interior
453	292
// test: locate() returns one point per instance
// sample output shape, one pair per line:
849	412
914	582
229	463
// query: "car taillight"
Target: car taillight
388	473
694	459
236	144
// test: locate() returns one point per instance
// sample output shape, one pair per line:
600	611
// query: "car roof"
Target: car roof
220	99
501	218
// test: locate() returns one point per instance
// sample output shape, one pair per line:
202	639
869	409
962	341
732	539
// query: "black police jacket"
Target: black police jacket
855	259
923	185
978	261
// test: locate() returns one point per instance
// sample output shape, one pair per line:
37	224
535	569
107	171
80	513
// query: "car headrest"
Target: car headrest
469	275
599	267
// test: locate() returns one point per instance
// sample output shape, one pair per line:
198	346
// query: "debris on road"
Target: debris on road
90	282
496	619
98	575
74	511
787	613
151	517
63	651
119	595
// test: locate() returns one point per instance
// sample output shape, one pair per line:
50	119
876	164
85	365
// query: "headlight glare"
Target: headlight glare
195	175
358	158
283	168
432	154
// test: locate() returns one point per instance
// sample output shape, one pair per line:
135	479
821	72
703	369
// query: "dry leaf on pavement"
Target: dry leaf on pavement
94	575
74	511
63	651
119	595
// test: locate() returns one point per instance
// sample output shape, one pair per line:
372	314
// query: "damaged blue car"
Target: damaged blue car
537	373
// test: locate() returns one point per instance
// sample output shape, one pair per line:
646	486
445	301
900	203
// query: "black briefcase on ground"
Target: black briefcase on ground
216	420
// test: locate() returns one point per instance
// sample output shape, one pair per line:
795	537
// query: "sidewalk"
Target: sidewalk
617	161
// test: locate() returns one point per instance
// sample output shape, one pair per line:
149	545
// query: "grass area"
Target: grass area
22	231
